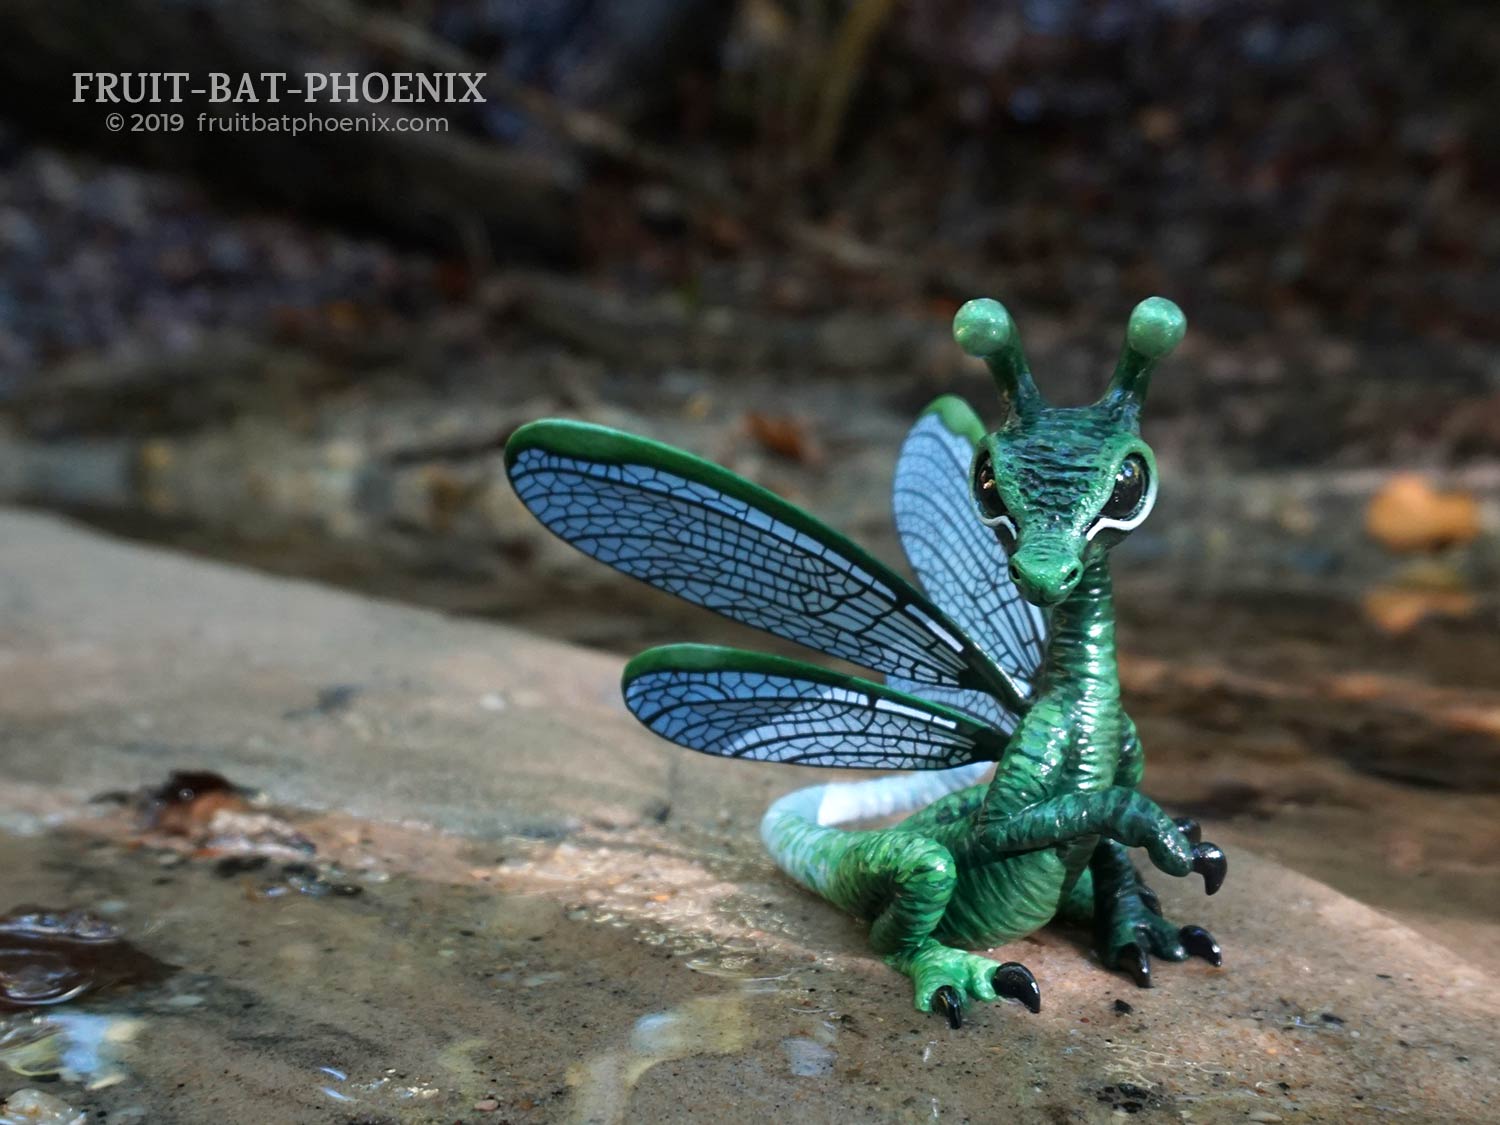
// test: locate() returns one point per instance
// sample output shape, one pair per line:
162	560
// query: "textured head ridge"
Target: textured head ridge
1062	485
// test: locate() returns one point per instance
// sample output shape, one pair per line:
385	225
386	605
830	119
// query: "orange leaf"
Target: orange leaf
1408	514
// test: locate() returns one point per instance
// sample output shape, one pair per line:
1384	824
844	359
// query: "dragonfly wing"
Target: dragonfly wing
763	708
958	560
980	705
696	530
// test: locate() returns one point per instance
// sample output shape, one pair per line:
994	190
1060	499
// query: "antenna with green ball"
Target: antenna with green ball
985	330
1156	327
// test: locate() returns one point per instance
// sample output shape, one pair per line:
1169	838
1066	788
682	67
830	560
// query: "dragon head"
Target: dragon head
1060	486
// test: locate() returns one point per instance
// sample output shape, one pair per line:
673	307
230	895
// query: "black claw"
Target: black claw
1200	943
1133	960
1013	981
1189	828
1148	899
1209	861
948	1003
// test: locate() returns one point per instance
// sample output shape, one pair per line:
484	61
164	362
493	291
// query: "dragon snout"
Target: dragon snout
1045	576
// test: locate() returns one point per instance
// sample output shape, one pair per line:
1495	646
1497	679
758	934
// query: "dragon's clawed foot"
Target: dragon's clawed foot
1131	958
947	1003
1189	828
1208	858
1194	941
1200	943
1132	929
1011	981
1209	861
945	979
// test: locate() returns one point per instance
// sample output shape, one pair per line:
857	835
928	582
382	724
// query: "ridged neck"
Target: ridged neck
1081	650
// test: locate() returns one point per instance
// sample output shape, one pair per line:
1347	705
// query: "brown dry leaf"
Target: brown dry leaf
1408	514
189	800
784	435
1399	609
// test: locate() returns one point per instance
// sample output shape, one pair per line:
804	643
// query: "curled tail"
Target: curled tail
799	829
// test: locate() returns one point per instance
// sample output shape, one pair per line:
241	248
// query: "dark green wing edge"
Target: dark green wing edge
958	416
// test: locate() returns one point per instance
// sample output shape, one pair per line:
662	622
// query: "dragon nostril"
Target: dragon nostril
1073	573
1015	572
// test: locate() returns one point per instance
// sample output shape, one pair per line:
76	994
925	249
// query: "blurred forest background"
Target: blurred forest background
748	224
744	228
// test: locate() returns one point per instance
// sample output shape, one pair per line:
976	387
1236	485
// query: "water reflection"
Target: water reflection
705	1025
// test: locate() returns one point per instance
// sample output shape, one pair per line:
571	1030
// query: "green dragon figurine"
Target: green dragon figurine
1008	657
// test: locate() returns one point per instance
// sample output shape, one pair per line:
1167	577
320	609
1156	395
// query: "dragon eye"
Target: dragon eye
987	492
1131	484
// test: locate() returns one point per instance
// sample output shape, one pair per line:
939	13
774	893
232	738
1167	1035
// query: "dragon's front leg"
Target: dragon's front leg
1117	813
1126	915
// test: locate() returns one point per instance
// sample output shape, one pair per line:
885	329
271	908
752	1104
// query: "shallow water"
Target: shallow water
412	1001
656	974
421	1001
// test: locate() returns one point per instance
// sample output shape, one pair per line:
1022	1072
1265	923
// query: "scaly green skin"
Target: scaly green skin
1047	835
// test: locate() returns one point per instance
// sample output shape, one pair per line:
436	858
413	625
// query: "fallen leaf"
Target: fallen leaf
785	436
1408	514
1398	609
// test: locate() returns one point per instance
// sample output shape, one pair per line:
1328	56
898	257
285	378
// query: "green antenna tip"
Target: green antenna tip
983	328
1156	327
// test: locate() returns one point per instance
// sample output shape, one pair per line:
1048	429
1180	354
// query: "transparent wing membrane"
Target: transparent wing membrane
984	708
958	561
691	528
762	708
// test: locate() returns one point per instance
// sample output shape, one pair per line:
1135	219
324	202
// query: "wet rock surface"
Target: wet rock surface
53	956
564	920
126	665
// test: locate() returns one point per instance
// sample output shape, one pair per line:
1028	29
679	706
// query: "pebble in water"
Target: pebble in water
75	1046
33	1107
